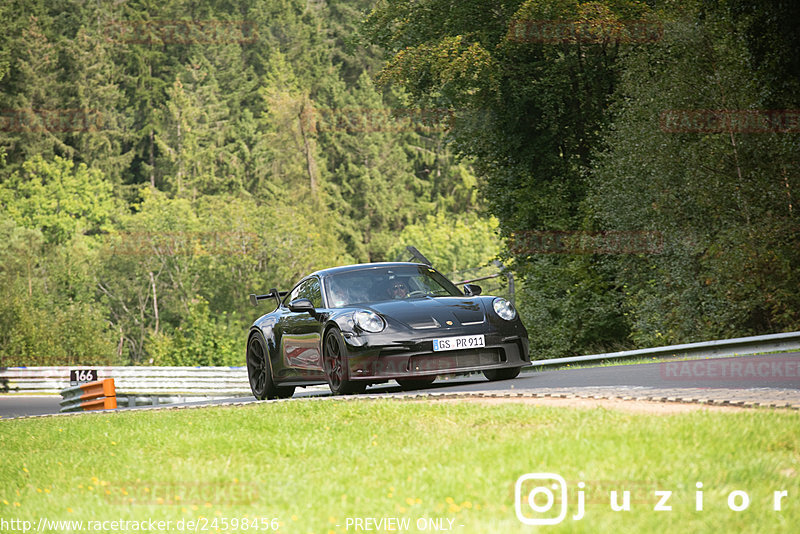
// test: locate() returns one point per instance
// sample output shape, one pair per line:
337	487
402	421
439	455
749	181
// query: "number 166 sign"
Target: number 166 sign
81	376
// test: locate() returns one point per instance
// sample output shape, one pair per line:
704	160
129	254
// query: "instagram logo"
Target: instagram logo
539	496
533	492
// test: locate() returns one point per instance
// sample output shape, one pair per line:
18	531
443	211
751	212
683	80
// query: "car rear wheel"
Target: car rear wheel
259	372
334	359
502	374
408	384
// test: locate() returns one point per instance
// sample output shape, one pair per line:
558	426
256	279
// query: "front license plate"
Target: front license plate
459	342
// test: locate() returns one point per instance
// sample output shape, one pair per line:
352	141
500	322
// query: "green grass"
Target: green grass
313	464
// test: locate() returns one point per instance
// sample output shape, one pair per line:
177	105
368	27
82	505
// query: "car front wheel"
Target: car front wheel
334	359
502	374
259	372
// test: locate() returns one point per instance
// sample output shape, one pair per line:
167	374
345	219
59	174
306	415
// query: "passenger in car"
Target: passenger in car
340	296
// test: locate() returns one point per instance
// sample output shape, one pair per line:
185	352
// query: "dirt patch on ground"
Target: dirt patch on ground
629	406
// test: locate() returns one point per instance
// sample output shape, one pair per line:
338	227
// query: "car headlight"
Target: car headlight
504	309
369	321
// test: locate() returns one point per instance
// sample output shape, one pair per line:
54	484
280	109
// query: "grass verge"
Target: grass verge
311	465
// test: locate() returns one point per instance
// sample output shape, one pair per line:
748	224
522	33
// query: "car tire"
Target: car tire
502	374
335	365
408	384
259	372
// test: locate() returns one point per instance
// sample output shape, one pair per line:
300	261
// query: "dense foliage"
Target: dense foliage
160	161
575	115
153	174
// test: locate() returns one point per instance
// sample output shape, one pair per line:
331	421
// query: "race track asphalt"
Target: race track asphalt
773	372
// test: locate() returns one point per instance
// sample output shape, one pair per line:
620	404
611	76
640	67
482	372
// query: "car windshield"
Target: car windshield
376	284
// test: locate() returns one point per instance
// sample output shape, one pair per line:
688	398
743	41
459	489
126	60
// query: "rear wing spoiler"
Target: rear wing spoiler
273	293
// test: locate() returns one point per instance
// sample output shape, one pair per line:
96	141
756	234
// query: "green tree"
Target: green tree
290	134
174	251
94	100
206	173
451	243
59	198
201	339
374	186
528	115
31	95
723	199
194	130
48	309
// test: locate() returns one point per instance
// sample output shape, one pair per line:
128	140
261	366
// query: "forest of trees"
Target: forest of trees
159	161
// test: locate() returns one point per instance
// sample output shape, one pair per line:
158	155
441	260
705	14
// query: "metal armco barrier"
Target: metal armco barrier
151	380
129	400
708	349
99	395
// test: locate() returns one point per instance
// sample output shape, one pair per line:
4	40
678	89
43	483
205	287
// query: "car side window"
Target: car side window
294	295
308	289
311	291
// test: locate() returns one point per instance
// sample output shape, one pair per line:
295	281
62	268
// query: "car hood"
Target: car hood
429	312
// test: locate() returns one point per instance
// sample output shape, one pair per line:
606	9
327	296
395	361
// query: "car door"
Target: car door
300	339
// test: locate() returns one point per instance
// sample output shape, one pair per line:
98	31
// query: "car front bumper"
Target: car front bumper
417	359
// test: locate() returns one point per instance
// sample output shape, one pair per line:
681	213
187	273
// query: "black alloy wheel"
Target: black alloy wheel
260	374
334	360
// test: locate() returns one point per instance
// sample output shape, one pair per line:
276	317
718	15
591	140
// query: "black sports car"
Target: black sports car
364	324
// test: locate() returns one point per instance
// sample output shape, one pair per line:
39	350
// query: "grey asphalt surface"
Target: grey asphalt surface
775	371
19	405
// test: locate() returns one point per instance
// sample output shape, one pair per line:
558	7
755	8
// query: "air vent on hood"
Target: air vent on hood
469	317
425	324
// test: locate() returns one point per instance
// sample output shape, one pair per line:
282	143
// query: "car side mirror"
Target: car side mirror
302	306
472	290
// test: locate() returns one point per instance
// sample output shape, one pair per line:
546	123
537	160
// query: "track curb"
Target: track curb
727	398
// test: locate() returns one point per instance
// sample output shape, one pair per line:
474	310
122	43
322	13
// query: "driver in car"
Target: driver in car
397	289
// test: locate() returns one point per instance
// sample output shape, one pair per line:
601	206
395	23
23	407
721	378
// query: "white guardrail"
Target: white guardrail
135	385
708	349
